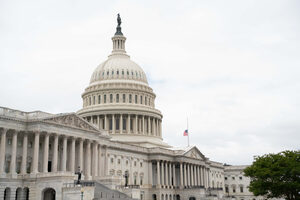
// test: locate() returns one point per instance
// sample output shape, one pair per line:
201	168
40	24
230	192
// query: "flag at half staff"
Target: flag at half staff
185	133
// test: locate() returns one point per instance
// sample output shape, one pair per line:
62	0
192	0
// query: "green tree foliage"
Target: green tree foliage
276	175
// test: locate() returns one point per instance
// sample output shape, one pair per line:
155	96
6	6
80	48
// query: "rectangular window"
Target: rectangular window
99	99
241	189
135	99
90	100
145	100
117	123
124	124
105	98
110	124
124	98
225	178
141	100
241	178
94	100
233	190
117	98
130	98
226	190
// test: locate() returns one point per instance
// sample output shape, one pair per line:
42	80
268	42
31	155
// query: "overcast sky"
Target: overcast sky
231	67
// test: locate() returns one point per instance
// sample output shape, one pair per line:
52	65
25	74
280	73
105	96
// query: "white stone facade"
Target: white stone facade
117	132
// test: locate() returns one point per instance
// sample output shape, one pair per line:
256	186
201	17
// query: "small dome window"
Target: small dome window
132	73
118	72
107	73
112	72
127	72
122	72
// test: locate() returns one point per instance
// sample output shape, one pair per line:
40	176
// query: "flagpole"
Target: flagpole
188	134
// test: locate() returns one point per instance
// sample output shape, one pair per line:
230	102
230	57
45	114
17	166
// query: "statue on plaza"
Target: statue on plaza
79	173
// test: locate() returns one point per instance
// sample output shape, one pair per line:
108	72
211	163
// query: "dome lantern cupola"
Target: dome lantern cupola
118	39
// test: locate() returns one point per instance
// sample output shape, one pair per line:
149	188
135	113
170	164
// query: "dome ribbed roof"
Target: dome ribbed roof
118	67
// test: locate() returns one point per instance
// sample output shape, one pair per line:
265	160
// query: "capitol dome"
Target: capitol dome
120	102
118	68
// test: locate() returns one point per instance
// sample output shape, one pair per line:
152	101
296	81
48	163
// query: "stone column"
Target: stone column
13	153
160	129
46	153
162	173
192	174
170	175
98	121
167	175
35	161
181	175
158	173
188	175
88	160
174	176
185	173
95	159
72	159
64	155
2	150
153	127
143	126
99	160
24	154
113	121
121	124
199	176
149	126
55	154
136	124
80	158
128	124
105	123
150	173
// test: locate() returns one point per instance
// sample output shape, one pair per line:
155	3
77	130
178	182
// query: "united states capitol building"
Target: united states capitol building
114	143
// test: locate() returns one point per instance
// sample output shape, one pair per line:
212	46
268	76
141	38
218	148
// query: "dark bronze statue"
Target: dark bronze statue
119	20
79	176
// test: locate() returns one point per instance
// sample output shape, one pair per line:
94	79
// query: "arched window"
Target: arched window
104	98
117	98
145	100
110	98
90	100
130	98
94	100
135	99
99	99
124	98
141	101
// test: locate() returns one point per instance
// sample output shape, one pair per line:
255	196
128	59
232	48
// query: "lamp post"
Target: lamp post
82	190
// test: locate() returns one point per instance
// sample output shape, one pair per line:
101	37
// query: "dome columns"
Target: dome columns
135	124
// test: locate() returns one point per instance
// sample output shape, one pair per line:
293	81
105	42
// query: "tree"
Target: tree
276	175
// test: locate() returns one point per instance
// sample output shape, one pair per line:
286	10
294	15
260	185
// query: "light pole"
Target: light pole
82	190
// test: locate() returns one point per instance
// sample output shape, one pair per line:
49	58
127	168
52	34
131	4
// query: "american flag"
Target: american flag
185	133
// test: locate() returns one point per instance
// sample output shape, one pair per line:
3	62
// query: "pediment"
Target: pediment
71	120
194	152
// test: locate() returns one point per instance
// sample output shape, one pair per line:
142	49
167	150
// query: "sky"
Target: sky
231	67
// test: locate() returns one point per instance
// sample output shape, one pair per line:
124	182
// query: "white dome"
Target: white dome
118	67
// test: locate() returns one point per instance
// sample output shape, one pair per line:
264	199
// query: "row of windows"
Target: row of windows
119	162
234	189
118	98
122	72
233	178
